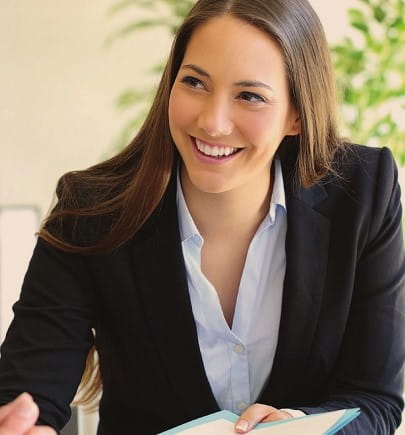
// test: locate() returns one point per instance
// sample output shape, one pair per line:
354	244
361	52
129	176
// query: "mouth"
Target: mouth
213	150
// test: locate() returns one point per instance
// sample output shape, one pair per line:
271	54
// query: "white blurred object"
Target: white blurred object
87	423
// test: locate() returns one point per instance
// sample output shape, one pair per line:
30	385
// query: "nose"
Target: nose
215	117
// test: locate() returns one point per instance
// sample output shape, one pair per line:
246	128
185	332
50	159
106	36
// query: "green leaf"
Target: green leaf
350	96
376	129
379	14
360	26
356	15
374	90
395	93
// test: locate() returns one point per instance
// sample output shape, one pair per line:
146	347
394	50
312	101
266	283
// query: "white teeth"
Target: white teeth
206	150
214	151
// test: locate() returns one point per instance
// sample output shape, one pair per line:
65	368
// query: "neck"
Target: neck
235	213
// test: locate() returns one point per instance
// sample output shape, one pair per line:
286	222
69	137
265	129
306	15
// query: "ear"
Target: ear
294	128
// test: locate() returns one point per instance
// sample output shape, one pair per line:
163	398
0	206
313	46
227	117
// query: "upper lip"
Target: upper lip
211	144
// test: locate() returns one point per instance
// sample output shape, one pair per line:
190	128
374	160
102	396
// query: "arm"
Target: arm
46	346
369	371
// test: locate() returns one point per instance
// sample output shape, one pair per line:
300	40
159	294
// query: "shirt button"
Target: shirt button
241	406
239	348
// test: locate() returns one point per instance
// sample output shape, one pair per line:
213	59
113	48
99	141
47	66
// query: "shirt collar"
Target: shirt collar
187	226
278	195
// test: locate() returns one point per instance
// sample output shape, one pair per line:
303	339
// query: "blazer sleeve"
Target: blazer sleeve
369	372
46	346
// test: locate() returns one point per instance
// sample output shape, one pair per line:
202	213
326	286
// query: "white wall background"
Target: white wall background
58	85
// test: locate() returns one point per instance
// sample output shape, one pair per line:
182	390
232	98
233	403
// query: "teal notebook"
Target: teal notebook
222	423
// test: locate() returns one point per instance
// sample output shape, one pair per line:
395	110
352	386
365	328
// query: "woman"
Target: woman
236	255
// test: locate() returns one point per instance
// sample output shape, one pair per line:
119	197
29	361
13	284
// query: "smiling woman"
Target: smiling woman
236	255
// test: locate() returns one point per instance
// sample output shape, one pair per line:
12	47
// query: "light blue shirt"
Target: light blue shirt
238	361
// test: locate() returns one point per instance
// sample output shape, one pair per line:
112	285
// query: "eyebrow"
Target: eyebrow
244	83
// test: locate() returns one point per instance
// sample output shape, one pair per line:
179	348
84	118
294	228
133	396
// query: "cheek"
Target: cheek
179	111
258	128
265	128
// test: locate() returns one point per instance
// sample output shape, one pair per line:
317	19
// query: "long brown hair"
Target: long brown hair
120	194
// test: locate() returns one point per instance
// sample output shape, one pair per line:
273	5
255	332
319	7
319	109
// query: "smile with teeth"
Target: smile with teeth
215	151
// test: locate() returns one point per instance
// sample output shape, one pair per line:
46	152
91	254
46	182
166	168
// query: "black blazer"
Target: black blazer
341	341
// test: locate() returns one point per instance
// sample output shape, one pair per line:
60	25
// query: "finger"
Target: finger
275	416
41	430
6	409
258	413
20	416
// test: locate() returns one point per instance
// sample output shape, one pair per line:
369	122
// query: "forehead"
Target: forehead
227	45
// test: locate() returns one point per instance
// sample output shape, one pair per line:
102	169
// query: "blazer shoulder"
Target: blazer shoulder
364	161
368	178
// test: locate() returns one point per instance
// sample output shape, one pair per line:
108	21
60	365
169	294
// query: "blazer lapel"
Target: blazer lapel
307	243
163	283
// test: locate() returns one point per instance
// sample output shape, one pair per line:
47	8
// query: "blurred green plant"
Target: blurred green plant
370	69
370	73
167	14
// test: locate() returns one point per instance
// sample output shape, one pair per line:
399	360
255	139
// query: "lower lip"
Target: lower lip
209	159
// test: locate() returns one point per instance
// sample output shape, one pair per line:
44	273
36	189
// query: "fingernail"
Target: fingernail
25	409
242	425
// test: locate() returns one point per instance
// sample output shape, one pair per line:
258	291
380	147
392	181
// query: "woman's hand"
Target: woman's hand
19	417
258	413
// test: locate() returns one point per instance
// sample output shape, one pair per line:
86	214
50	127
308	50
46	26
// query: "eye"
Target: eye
193	82
251	97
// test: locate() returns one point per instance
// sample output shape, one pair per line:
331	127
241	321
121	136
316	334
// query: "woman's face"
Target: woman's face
229	108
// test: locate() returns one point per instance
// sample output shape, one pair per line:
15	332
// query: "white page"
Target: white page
217	427
310	425
314	425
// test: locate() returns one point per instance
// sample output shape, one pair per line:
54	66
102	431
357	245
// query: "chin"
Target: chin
209	184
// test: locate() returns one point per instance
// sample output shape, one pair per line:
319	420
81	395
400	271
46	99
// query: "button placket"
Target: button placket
241	405
239	348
